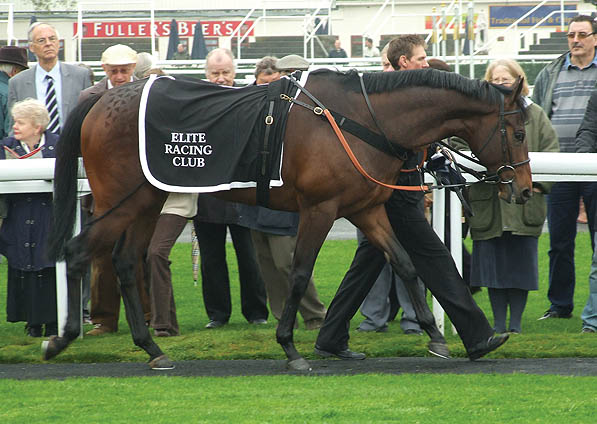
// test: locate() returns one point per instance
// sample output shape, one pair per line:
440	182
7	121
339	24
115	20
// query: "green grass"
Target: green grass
239	340
417	398
443	399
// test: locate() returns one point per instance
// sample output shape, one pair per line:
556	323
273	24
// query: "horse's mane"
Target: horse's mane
381	82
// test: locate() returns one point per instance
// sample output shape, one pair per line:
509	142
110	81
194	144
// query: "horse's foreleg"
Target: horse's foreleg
314	225
77	259
376	227
128	264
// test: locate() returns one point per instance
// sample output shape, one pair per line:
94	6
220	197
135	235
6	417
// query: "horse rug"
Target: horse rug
195	136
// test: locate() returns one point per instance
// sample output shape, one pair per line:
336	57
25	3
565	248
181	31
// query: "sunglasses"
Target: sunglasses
580	35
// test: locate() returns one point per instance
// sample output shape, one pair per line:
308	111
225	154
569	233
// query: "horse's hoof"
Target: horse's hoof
299	364
161	363
439	349
50	348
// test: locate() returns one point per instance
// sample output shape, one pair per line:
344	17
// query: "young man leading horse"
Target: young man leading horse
431	258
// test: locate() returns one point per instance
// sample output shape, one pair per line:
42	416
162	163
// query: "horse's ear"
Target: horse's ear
517	89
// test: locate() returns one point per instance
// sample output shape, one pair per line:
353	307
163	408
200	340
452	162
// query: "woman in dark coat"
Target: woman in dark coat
31	291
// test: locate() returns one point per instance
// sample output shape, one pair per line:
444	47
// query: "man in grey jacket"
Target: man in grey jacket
68	80
563	89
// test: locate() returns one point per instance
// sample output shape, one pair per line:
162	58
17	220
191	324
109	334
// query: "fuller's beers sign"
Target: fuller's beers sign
132	29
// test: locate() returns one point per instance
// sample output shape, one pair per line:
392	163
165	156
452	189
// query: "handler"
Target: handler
431	258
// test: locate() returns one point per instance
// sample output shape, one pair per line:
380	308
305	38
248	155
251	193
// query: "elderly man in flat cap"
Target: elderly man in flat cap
54	83
12	61
118	62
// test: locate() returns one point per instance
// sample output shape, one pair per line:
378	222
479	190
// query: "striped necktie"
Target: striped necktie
52	106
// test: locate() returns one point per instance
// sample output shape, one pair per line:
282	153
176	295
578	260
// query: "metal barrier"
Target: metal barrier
36	176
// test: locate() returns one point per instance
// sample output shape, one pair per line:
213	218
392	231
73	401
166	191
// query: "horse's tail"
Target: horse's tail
68	151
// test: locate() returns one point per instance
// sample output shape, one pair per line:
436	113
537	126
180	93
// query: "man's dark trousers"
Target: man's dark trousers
562	213
214	272
433	264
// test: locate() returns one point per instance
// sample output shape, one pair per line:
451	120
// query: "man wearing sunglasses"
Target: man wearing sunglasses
563	89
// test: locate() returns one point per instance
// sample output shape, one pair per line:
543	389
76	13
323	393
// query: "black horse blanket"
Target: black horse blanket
195	136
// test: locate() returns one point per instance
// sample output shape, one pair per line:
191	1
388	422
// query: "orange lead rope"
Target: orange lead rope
356	163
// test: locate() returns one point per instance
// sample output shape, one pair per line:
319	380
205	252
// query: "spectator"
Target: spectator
563	89
370	50
12	61
431	258
337	51
89	71
56	84
31	288
118	62
586	142
181	53
290	63
144	64
266	71
179	207
388	293
274	238
214	218
505	235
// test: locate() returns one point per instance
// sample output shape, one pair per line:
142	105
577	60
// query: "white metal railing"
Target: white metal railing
36	176
10	36
33	176
546	166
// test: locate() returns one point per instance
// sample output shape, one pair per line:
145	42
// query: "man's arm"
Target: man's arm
586	136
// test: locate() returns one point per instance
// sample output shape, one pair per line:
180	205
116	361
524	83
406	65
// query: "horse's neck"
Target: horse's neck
418	117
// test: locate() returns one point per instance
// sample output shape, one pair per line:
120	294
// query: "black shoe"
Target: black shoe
554	314
341	354
215	324
486	346
258	321
33	330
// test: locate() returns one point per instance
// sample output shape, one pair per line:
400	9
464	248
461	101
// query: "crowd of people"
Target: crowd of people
561	116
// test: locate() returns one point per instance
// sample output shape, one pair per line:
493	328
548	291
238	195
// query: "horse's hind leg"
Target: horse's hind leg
128	262
314	225
376	227
77	257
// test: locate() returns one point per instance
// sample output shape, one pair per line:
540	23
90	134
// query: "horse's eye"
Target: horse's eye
519	136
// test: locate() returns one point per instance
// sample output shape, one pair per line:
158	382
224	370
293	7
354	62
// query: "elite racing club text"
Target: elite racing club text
188	150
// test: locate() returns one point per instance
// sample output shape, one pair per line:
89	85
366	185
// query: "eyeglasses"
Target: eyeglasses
579	35
502	81
42	41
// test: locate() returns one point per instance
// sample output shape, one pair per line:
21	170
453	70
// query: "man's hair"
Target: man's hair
35	25
370	40
584	18
267	66
403	46
216	52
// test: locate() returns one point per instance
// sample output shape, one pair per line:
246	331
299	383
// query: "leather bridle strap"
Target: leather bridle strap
356	163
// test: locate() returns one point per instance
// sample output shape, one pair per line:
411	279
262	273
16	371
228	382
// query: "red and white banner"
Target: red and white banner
131	29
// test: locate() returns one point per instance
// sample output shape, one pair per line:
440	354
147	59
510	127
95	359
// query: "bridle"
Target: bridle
507	163
494	178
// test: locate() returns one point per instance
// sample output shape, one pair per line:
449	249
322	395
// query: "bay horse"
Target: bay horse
410	108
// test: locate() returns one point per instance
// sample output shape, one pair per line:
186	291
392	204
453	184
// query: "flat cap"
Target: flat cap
119	54
292	62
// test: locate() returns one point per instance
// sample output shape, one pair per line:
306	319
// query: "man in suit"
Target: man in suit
214	218
68	80
118	61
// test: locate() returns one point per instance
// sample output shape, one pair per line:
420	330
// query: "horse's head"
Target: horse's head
500	145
